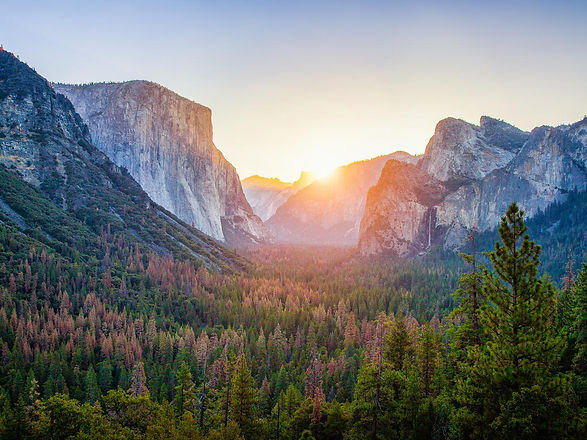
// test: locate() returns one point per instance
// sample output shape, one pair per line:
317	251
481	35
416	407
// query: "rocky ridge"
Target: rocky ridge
265	195
481	170
44	142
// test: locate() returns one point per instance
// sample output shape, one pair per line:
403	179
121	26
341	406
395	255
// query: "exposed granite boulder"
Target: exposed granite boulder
165	142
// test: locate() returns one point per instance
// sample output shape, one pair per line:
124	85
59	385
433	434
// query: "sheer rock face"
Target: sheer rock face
165	142
45	142
267	194
480	182
329	210
404	191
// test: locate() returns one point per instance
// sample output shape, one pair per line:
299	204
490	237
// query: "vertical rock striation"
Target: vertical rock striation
44	142
165	142
481	170
404	191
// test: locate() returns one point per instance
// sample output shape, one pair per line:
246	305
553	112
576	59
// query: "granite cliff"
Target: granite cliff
165	143
404	191
476	172
46	150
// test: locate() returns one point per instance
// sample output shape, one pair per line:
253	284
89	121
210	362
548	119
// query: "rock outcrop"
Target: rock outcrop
329	211
165	142
459	151
265	195
44	142
404	191
481	170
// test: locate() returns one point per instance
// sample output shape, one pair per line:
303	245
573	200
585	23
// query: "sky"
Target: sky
310	85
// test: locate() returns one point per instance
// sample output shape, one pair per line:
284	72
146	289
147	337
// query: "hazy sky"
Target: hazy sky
309	85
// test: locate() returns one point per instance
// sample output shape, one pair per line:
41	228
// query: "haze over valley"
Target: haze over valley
259	220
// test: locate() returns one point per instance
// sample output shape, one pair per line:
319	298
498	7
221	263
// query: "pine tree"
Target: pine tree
428	356
399	344
578	334
91	386
33	402
497	391
470	299
370	397
243	398
105	376
369	401
185	396
138	381
314	391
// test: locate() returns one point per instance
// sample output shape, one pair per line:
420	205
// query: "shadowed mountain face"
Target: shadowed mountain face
479	172
329	210
165	142
266	195
80	192
404	191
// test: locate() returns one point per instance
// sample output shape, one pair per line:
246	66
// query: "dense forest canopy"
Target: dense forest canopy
121	342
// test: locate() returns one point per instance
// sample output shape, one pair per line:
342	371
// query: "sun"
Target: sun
319	164
323	172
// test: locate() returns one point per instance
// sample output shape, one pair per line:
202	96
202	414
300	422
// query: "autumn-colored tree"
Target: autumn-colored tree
314	390
138	381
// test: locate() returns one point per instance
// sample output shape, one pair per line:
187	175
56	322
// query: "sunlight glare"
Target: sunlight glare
323	172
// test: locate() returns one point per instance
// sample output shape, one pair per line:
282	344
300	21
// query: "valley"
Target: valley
147	292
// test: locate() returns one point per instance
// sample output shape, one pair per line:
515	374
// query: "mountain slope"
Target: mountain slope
484	169
329	210
44	143
266	195
165	142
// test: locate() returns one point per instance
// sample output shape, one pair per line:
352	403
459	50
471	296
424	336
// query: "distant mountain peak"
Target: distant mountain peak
459	150
306	178
328	211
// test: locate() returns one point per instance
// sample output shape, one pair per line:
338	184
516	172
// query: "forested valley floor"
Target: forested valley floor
117	342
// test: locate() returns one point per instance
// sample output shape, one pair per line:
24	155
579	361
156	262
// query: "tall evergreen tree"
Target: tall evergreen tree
185	395
105	376
138	381
469	298
399	344
578	334
243	398
499	389
91	386
428	358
